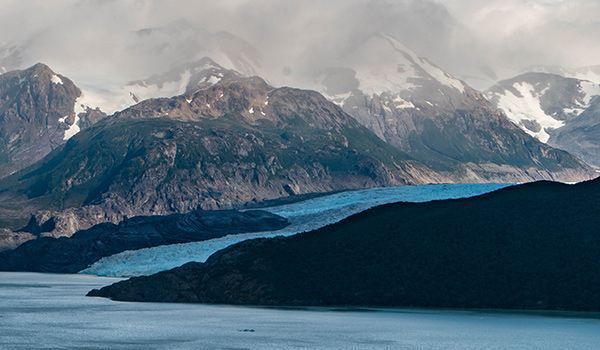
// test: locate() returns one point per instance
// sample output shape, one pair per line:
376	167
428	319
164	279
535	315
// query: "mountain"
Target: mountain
517	248
75	253
184	79
236	141
546	105
427	113
589	73
39	111
414	106
581	136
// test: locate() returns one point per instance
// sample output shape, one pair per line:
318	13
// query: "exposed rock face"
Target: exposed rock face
10	240
581	136
557	110
37	115
233	142
435	118
71	255
517	248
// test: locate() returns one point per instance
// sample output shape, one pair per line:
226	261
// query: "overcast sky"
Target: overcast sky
94	40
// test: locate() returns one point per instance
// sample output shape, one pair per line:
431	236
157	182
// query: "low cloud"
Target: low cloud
107	42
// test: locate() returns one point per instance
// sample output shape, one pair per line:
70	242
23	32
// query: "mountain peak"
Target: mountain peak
541	102
40	67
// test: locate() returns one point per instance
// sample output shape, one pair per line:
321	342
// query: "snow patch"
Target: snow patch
338	99
251	110
56	80
401	103
527	107
589	90
212	80
73	129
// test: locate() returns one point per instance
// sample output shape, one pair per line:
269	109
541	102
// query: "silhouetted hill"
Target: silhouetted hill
533	246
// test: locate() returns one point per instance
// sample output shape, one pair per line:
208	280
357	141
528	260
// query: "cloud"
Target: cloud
107	42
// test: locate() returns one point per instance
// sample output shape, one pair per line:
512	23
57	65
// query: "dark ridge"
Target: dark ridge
530	247
75	253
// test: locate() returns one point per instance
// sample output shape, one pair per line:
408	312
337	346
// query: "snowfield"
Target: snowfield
304	216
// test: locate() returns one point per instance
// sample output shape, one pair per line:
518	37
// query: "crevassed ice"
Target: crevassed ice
304	216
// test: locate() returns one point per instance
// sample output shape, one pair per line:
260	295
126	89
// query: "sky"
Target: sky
109	41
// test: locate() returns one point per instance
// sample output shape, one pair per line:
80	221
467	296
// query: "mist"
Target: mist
104	42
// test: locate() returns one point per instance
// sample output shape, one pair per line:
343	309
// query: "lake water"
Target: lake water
47	311
304	216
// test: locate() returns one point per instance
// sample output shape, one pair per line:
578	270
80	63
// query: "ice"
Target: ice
304	216
50	311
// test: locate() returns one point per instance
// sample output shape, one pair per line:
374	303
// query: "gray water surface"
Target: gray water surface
49	311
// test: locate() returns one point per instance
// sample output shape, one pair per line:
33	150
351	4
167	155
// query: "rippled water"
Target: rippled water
304	216
46	311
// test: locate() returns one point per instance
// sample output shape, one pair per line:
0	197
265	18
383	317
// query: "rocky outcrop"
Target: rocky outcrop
37	114
71	255
11	240
520	247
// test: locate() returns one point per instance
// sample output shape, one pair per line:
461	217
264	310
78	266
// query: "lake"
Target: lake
50	311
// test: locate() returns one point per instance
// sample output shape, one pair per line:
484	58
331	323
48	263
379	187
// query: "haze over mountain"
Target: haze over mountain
161	68
426	112
172	155
230	140
478	42
299	153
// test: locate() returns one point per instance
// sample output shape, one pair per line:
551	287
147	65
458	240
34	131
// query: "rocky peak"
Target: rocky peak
37	114
250	98
540	103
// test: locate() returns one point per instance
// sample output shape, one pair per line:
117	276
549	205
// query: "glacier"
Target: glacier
304	216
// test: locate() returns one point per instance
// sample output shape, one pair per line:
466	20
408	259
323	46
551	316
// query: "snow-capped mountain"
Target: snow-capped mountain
590	73
426	112
176	48
183	79
182	41
39	110
383	65
543	103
